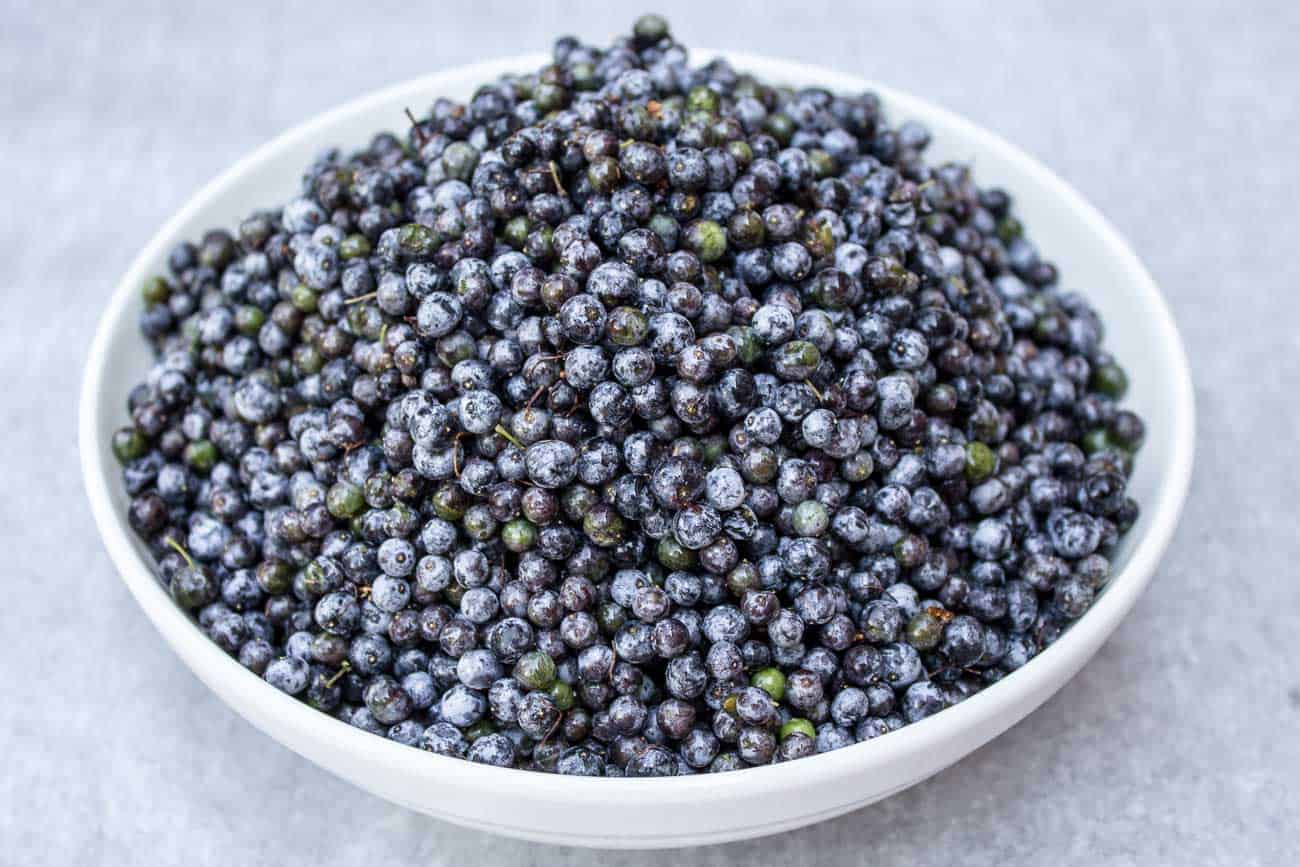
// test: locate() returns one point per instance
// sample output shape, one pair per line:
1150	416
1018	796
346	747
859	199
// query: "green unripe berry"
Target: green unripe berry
702	98
479	523
249	319
192	587
459	161
535	670
274	576
924	631
1110	380
810	518
344	500
796	360
771	681
611	617
454	593
706	239
562	695
650	28
303	299
418	241
748	347
857	467
627	326
584	76
800	725
746	229
781	127
201	456
516	231
673	555
449	502
354	247
741	152
823	164
603	526
577	501
980	461
155	291
307	359
129	444
550	97
1096	440
714	448
455	348
519	535
1009	229
479	729
603	174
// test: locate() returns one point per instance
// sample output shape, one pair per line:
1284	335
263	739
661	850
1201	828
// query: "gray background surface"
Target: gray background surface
1177	744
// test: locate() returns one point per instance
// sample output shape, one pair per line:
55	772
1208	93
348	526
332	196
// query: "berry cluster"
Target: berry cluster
632	418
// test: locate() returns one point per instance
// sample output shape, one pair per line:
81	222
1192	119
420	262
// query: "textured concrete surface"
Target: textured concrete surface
1177	744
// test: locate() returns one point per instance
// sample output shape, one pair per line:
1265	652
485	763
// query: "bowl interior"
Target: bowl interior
1092	258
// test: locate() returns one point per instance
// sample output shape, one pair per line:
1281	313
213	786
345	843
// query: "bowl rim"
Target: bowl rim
1041	676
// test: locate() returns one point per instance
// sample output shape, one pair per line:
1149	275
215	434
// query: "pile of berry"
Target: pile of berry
633	418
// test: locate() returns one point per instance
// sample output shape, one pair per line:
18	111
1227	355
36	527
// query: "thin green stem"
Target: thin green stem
334	678
505	433
180	549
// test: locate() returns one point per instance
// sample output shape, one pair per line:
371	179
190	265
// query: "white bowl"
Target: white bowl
623	813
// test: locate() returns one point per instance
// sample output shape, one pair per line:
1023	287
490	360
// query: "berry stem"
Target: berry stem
420	137
334	678
180	549
505	433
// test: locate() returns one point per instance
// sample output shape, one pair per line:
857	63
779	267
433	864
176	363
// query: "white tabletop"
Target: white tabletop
1177	744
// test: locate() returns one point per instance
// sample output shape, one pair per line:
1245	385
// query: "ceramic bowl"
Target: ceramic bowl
647	813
